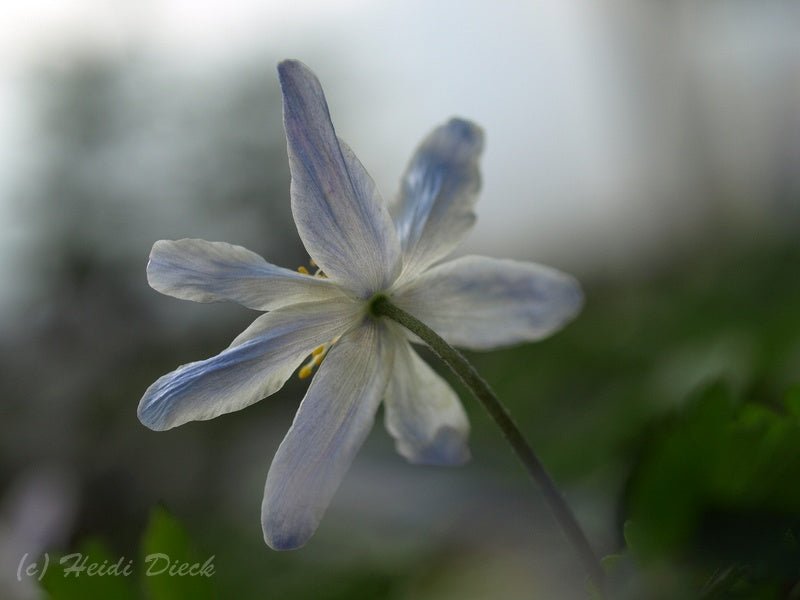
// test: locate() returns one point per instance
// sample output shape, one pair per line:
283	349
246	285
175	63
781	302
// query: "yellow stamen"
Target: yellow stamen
316	358
302	270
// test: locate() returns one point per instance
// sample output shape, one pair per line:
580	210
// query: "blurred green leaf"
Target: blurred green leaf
630	534
793	401
171	566
74	576
720	484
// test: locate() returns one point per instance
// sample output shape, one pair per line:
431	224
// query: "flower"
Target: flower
362	252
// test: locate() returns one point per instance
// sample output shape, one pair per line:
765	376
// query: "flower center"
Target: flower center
375	301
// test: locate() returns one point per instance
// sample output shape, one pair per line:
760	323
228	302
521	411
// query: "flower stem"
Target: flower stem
381	306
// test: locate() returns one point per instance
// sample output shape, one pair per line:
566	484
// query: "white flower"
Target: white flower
473	302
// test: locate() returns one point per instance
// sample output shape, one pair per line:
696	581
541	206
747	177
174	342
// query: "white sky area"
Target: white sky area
578	165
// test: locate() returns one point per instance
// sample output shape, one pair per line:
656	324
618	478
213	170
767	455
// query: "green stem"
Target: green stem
381	306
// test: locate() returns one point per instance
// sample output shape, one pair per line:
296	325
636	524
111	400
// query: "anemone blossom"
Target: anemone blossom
361	249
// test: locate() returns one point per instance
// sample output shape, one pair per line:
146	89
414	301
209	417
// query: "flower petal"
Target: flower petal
422	412
341	219
203	271
439	188
332	422
256	365
480	303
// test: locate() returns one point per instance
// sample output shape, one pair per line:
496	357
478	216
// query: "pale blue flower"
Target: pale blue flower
363	251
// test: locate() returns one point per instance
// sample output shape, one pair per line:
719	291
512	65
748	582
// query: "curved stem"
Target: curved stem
381	306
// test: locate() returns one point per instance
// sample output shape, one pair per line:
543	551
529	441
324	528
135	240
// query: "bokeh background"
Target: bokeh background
650	148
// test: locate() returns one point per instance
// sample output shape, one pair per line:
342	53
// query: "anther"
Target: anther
317	355
302	270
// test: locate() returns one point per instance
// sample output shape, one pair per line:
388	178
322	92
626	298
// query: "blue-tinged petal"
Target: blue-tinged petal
433	212
341	219
256	365
330	426
204	271
481	303
422	412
